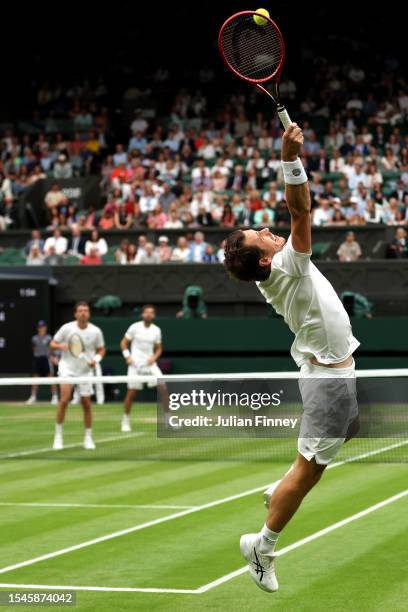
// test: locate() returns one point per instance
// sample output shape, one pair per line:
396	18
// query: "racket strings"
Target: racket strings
250	59
254	51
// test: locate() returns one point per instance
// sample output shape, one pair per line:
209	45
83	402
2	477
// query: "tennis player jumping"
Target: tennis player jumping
322	349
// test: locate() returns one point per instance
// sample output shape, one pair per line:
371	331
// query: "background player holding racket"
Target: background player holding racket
145	341
82	346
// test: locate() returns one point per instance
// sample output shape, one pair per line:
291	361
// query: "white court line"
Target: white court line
64	587
166	518
62	505
242	570
37	451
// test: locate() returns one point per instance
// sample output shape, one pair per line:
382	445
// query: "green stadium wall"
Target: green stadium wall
252	344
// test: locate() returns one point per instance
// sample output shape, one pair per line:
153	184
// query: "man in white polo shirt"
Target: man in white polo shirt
145	341
90	338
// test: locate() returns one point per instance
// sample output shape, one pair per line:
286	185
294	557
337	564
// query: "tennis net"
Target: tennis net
27	430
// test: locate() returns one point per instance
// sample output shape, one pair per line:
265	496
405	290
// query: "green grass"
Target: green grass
360	566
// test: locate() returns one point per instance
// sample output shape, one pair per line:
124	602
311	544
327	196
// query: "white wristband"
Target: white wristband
98	358
294	172
126	353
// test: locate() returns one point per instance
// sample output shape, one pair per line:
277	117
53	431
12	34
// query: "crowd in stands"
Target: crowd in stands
94	249
201	167
193	247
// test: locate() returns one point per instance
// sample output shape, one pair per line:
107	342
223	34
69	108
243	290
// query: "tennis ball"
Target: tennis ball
259	20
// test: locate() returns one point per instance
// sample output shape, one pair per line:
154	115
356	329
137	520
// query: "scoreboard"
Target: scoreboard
23	302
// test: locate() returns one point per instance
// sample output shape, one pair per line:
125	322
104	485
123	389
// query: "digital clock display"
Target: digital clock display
28	292
23	302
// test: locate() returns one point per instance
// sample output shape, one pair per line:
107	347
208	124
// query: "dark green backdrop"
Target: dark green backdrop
252	344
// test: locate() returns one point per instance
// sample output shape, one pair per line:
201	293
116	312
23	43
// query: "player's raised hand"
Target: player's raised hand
292	142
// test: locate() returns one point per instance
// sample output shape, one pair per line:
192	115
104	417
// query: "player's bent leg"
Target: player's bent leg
287	497
163	397
323	450
87	408
129	398
54	392
271	489
258	548
65	396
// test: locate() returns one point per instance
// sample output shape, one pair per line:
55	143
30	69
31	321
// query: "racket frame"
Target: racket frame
81	355
274	77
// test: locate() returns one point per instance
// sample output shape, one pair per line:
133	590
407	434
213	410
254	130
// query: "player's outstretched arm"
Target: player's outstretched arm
297	189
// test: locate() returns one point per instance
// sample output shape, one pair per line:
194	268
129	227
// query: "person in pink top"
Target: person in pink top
157	218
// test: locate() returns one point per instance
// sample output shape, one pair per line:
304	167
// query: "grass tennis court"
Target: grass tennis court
169	530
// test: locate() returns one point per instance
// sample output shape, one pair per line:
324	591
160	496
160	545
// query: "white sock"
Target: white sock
268	540
126	417
58	428
88	432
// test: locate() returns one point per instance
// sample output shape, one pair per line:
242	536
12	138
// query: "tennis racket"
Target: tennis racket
255	53
76	346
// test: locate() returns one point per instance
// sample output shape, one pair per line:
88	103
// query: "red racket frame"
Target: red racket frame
275	76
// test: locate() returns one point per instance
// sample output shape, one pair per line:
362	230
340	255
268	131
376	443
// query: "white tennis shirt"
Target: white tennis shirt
92	338
310	307
143	339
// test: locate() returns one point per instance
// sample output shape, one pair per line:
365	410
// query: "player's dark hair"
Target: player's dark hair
242	261
146	306
81	303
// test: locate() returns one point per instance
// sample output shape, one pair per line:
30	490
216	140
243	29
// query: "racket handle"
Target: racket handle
284	116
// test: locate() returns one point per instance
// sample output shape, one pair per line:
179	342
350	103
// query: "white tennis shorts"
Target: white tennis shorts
137	371
329	407
84	389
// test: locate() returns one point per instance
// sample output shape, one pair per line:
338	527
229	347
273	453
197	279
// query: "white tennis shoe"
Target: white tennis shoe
126	426
89	444
58	442
261	566
31	400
